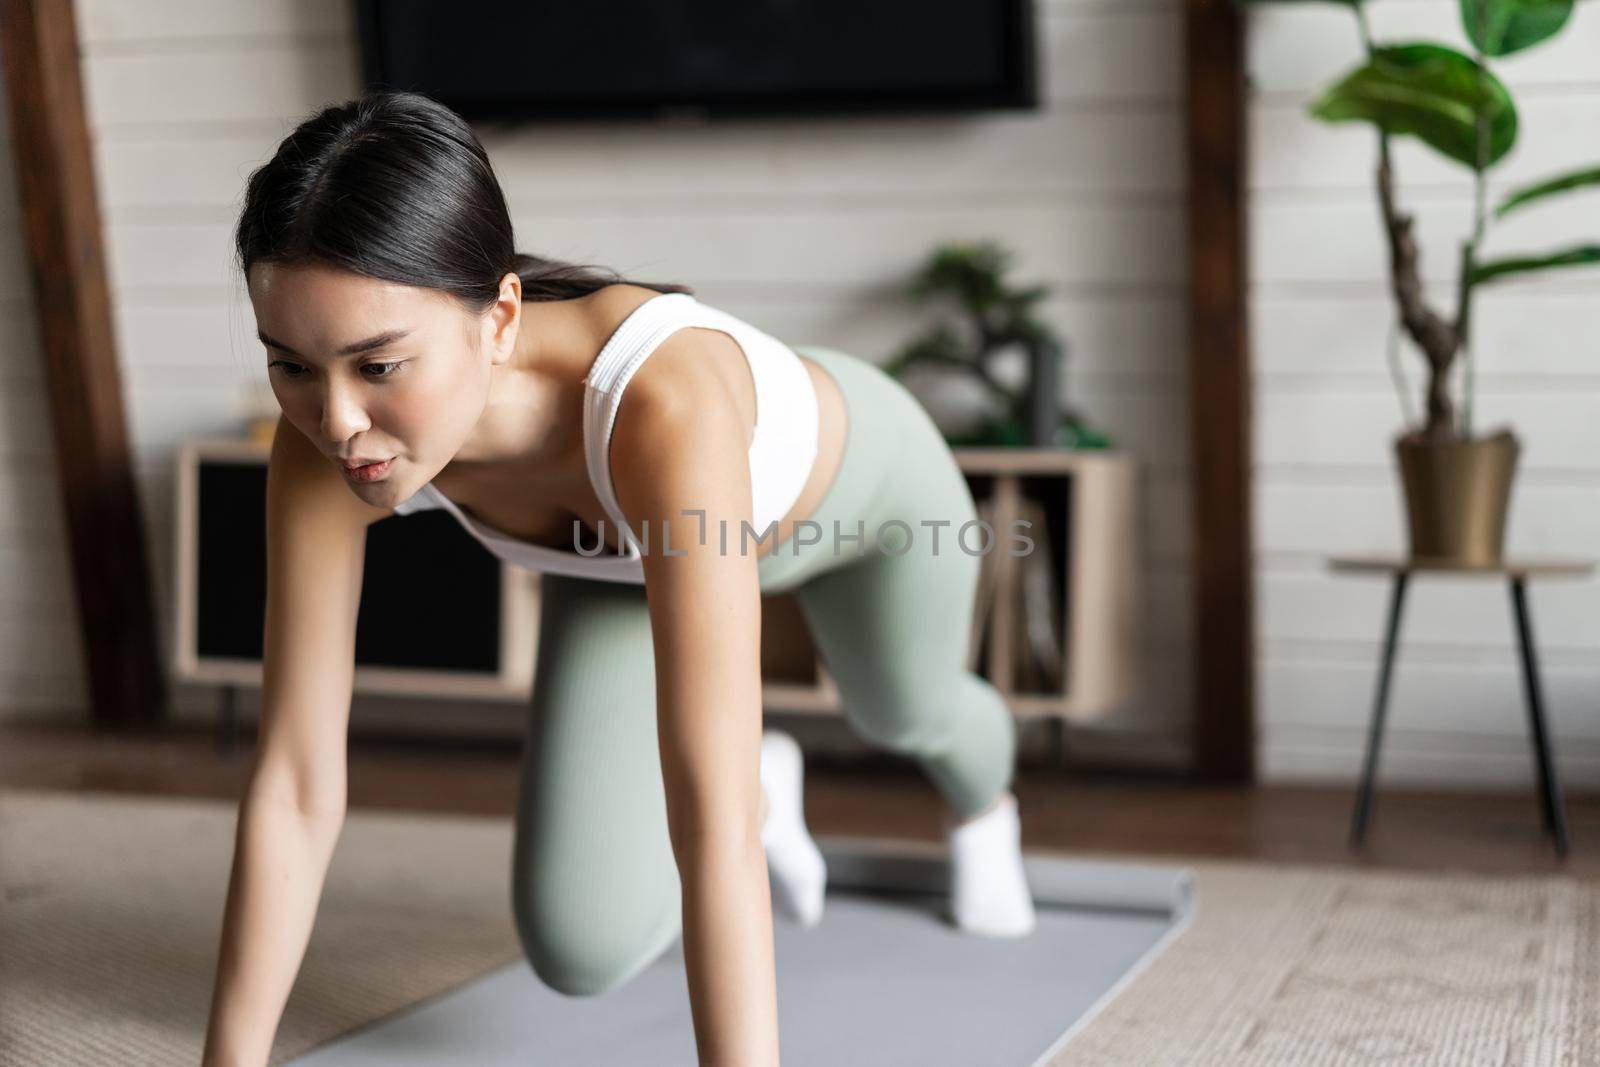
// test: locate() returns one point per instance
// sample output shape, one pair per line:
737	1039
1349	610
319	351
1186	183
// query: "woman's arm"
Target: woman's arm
280	858
671	461
294	803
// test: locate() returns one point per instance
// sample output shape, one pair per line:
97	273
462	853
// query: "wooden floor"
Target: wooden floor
1122	816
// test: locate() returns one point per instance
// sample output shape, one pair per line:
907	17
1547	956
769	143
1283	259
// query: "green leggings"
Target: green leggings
595	886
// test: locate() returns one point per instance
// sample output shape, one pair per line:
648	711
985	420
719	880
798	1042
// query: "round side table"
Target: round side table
1517	572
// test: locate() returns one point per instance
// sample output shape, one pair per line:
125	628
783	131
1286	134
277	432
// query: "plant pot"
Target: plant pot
1457	496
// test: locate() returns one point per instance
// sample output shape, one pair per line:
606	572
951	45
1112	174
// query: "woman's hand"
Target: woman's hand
684	470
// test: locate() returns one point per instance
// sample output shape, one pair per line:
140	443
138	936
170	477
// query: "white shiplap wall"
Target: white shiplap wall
1326	414
803	227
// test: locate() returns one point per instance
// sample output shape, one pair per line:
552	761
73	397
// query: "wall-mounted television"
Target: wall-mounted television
644	58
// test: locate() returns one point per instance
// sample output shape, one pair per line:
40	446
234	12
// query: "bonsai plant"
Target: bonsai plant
995	317
1457	483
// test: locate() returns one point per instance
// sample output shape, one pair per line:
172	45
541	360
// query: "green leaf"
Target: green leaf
1582	255
1549	187
1431	92
1512	25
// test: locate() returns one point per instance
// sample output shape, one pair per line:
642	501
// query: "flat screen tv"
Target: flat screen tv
642	58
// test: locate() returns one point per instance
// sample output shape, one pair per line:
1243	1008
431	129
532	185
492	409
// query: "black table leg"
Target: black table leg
1555	816
1380	704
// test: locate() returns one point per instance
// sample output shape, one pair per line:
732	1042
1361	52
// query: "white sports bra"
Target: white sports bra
781	454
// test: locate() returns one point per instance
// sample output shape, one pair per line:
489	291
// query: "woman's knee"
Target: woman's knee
592	906
577	949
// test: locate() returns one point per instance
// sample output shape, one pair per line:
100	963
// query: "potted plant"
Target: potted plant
1457	482
994	319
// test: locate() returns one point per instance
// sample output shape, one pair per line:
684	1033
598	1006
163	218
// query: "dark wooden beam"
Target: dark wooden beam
1219	392
61	226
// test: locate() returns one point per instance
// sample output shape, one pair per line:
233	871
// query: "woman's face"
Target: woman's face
374	371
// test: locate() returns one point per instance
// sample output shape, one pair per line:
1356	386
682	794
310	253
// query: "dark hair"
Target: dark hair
395	186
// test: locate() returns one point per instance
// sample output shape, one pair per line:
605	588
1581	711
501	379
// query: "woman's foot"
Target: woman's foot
799	876
988	883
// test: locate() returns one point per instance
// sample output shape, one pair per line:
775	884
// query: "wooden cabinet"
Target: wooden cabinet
1069	607
439	616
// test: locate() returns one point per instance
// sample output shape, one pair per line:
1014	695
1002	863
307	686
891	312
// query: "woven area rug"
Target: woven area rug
113	904
1327	967
113	912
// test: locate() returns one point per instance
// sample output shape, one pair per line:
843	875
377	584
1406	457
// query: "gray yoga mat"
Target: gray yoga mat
883	979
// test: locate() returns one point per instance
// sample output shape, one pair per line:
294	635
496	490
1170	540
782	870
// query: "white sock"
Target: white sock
798	874
988	882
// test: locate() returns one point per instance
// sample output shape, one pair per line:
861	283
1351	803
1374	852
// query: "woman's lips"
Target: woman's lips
371	472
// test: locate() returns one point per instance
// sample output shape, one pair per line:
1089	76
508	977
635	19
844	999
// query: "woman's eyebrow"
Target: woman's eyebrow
388	337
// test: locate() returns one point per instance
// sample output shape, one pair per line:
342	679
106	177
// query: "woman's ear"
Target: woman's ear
504	320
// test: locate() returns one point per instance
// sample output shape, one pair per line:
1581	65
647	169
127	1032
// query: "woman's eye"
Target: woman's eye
294	370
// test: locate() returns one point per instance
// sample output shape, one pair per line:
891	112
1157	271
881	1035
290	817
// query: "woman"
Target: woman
420	362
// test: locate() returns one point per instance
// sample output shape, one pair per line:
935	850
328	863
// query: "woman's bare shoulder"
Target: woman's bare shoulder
614	303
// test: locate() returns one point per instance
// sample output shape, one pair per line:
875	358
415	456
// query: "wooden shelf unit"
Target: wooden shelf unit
1091	533
1091	527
